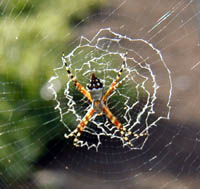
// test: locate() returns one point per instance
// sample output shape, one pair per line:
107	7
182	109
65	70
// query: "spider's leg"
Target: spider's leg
118	125
120	82
76	83
77	132
114	85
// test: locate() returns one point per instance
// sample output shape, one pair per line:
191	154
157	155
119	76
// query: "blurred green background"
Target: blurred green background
33	36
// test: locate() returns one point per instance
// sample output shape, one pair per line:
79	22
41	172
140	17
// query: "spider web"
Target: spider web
158	93
134	101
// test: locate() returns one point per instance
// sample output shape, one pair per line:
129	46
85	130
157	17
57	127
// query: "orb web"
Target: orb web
134	101
162	42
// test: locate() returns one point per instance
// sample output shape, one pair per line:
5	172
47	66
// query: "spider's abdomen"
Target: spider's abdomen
95	88
95	83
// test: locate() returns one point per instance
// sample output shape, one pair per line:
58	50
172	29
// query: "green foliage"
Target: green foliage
33	36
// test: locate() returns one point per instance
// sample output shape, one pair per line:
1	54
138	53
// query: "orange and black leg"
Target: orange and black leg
77	132
118	125
113	85
76	83
123	131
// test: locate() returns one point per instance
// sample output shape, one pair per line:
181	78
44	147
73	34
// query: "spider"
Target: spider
94	93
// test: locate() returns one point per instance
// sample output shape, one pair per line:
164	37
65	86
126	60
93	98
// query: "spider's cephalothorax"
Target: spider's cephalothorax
95	87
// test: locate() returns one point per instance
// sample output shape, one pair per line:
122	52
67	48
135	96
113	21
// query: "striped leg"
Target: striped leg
124	133
76	83
113	85
77	132
115	122
120	82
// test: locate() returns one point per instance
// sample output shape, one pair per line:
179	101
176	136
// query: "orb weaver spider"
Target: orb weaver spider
94	93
